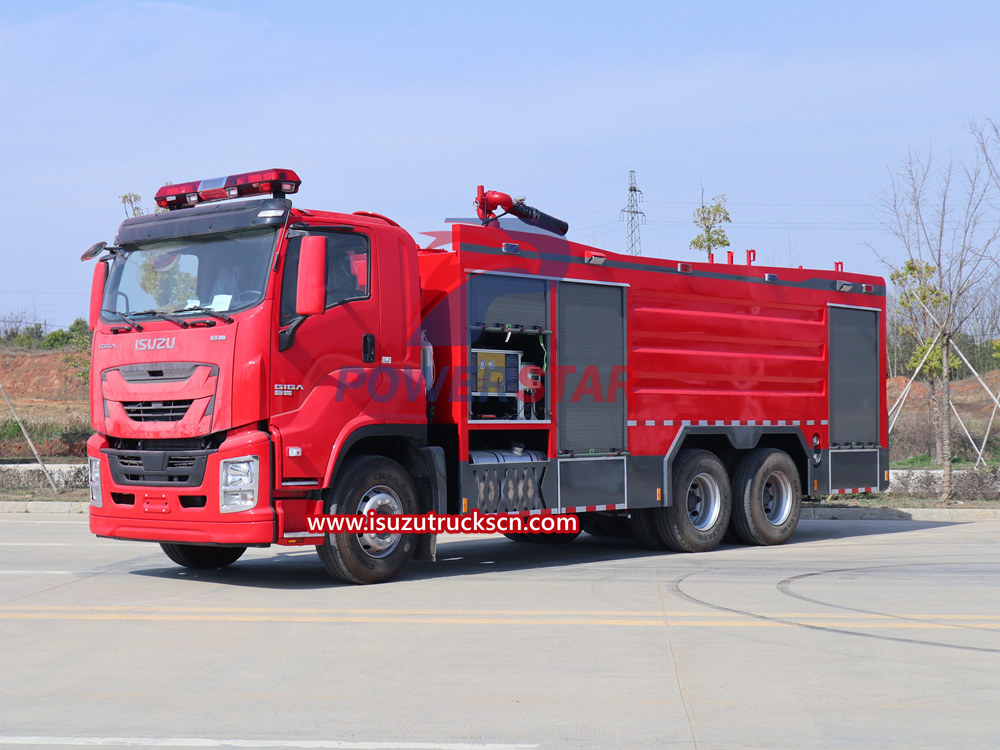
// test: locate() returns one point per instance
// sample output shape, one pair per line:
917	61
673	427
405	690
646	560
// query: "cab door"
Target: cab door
323	365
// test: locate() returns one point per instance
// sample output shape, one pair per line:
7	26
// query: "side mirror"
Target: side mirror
97	293
94	250
310	290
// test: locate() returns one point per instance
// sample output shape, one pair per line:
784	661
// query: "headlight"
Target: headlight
238	478
94	480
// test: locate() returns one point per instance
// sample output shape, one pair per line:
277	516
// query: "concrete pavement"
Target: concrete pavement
875	634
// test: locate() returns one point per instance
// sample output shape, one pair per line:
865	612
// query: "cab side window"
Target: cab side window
348	259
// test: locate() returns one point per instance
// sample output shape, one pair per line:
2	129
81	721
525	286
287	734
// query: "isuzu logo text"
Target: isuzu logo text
158	343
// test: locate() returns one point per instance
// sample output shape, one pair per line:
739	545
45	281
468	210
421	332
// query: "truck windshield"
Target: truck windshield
224	272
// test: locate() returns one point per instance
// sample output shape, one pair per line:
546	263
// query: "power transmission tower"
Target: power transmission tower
633	215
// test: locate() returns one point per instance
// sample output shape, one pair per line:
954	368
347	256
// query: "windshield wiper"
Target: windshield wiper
207	311
128	321
163	316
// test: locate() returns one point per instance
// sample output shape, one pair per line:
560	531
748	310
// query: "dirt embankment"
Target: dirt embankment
50	400
913	433
41	385
968	395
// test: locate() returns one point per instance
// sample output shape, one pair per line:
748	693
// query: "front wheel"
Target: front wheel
201	556
768	497
369	484
698	516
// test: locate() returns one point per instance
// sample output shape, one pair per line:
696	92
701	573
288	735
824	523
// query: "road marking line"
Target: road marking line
671	616
129	617
700	621
206	742
128	608
43	572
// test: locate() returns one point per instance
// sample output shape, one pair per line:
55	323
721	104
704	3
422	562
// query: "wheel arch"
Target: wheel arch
732	443
407	446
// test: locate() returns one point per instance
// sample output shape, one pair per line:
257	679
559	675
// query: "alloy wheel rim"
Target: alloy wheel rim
704	501
380	500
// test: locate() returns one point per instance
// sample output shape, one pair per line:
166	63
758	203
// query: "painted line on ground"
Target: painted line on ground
670	615
207	742
44	572
700	620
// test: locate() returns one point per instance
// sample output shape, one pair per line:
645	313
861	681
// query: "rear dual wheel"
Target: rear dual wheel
767	498
697	518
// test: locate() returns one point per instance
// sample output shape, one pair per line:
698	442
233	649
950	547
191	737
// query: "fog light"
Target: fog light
238	478
236	500
94	480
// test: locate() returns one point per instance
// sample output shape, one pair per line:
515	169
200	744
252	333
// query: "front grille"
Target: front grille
173	445
158	467
157	411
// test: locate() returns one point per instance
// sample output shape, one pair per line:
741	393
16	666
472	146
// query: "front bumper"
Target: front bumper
169	512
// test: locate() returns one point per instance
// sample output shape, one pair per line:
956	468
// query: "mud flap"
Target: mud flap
434	500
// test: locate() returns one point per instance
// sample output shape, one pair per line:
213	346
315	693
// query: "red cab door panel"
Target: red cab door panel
323	364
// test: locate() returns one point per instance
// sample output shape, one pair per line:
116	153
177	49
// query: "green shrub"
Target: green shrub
66	437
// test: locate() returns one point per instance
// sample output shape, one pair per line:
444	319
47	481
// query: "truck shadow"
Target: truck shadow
300	568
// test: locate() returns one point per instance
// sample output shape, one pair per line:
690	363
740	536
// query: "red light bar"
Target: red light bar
181	195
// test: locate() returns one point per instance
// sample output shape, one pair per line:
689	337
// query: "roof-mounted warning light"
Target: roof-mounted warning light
487	202
278	182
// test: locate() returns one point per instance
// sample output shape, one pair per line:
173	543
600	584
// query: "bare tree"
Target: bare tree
988	139
941	215
983	329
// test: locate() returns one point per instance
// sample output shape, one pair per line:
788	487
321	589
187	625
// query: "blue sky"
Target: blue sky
794	110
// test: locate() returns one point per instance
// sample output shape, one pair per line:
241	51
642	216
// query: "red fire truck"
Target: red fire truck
255	364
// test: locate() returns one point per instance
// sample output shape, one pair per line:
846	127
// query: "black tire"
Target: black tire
369	483
542	538
614	524
731	536
767	497
605	524
591	524
698	517
644	528
201	556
